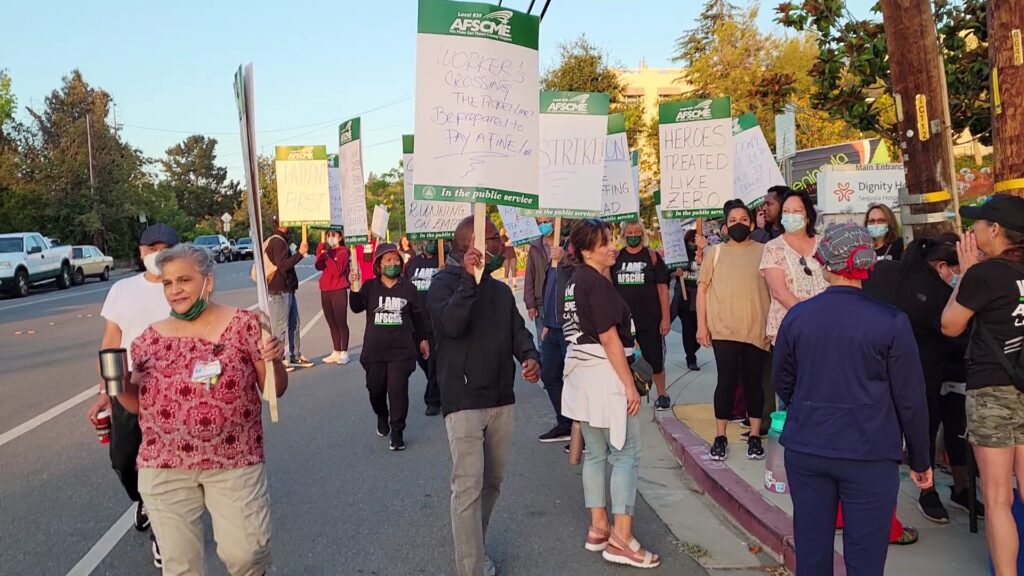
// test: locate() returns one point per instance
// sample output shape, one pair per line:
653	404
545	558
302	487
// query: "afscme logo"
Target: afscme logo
575	105
495	24
699	111
346	132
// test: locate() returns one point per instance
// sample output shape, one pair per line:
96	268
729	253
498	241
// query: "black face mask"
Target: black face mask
739	232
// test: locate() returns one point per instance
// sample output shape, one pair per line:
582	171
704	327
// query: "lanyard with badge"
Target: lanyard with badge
207	372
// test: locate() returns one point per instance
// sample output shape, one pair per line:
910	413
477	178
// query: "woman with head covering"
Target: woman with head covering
394	326
196	386
991	292
847	366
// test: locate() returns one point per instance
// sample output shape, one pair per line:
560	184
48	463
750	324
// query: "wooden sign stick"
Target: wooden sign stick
555	239
270	381
354	267
479	235
440	254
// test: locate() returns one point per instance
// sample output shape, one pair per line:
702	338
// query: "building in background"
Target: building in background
651	86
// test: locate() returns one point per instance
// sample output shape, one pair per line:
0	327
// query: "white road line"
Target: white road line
106	543
61	297
47	416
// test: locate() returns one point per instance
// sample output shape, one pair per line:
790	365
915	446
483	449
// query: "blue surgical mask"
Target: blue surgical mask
954	280
794	223
546	228
878	230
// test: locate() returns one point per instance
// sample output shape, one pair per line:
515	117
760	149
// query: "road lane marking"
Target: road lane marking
106	543
109	540
47	416
61	297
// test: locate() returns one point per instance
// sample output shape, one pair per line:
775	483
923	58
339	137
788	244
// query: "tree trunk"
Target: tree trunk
1006	54
926	144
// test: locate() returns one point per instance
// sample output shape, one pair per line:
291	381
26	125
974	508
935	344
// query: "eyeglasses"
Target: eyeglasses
807	269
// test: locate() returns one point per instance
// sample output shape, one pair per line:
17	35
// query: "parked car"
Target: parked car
217	245
243	248
89	262
28	258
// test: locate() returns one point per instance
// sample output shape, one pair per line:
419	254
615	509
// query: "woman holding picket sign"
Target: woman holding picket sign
642	280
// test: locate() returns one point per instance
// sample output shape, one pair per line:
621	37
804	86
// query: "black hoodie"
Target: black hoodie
479	334
394	326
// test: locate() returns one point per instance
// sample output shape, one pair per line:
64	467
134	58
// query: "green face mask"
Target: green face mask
633	241
196	309
494	262
392	270
430	248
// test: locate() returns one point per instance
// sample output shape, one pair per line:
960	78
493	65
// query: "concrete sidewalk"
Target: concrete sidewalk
737	485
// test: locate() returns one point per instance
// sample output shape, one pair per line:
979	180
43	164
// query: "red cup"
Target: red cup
103	426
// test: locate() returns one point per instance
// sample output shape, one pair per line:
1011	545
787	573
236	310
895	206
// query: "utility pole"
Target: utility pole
88	139
1006	55
922	117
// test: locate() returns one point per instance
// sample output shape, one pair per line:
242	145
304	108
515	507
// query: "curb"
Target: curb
748	508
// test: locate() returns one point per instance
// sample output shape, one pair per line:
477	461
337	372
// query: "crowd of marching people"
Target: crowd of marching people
869	346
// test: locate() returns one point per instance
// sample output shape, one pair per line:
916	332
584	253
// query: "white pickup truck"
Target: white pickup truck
28	258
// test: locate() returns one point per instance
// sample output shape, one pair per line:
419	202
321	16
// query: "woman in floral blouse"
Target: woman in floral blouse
196	386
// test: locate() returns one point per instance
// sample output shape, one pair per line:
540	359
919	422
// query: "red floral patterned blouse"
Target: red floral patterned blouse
184	425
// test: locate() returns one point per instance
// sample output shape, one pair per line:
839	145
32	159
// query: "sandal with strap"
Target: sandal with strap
630	554
597	539
909	536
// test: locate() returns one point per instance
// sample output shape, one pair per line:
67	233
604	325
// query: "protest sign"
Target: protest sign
620	198
303	197
353	187
672	240
785	133
755	166
379	223
573	130
521	229
847	189
334	188
634	160
245	100
476	104
426	220
696	157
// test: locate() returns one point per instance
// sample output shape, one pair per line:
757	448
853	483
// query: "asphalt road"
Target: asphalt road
342	503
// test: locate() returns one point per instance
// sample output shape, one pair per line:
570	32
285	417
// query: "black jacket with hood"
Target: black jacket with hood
479	335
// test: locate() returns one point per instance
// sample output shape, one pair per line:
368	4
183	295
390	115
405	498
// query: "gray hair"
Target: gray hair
199	257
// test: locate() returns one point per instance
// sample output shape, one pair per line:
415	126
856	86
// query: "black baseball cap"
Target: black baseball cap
159	233
1003	209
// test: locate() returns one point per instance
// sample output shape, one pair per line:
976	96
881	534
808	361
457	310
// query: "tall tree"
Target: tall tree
199	184
7	99
388	190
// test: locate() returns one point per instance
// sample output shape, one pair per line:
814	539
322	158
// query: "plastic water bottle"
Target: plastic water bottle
775	479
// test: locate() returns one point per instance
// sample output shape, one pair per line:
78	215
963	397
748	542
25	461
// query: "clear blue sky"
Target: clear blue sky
169	65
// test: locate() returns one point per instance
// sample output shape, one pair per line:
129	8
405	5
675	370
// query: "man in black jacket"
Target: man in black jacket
479	334
284	309
421	270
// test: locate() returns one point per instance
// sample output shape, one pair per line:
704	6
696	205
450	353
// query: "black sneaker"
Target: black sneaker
383	428
755	450
433	410
158	560
960	500
397	442
556	434
692	365
663	403
141	518
720	449
931	507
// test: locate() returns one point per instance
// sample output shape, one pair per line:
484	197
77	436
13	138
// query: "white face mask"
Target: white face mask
332	242
150	262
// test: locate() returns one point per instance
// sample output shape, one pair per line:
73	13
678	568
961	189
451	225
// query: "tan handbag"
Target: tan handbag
269	268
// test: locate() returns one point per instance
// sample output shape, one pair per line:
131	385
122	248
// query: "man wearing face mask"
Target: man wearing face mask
538	261
480	334
132	305
420	271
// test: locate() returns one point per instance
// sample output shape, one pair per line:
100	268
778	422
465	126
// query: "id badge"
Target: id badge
206	373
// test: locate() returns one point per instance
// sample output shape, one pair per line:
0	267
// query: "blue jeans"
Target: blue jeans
284	317
538	324
624	467
552	363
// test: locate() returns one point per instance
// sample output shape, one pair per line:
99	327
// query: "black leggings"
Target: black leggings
738	362
335	303
951	412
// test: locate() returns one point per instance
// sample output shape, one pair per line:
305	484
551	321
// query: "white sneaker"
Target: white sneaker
332	358
343	357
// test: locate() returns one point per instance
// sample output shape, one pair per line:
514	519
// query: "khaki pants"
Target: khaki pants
479	441
239	507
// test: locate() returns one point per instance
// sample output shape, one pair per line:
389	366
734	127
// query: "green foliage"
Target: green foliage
7	100
388	190
851	70
199	184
